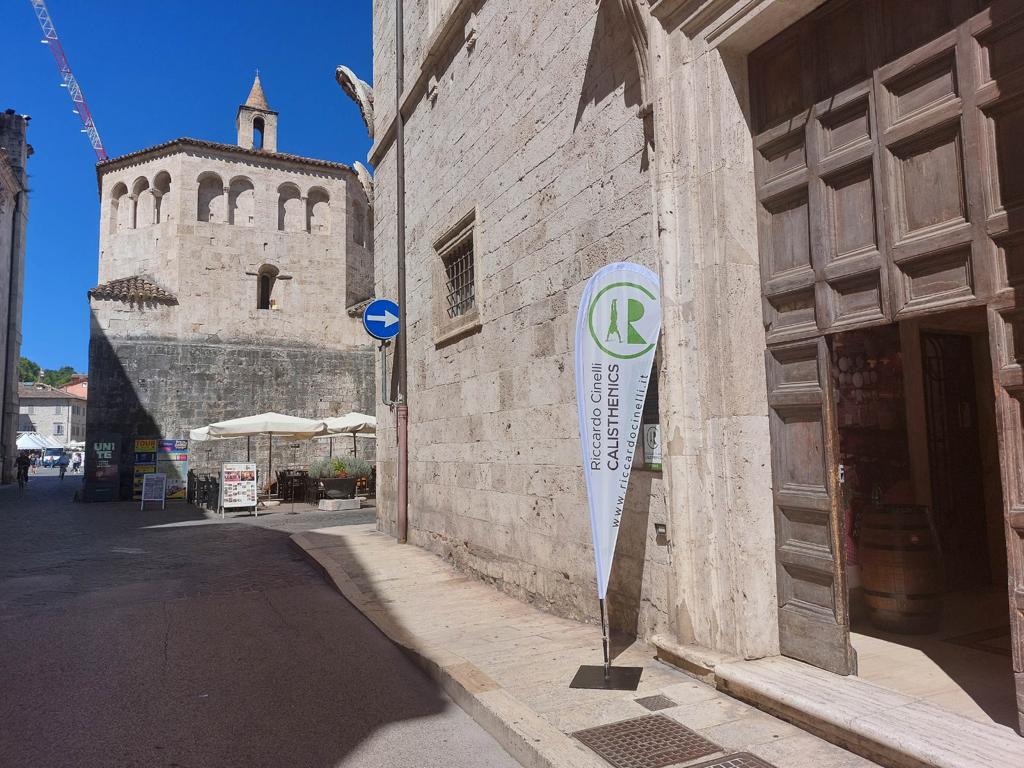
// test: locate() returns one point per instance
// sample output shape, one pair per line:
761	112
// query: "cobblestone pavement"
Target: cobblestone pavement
167	638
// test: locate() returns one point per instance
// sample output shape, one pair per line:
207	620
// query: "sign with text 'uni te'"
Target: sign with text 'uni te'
616	334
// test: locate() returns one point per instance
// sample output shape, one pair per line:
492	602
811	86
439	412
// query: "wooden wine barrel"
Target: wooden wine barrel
900	570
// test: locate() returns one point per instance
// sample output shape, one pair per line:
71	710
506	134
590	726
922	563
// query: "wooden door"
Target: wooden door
890	184
814	620
999	36
1006	336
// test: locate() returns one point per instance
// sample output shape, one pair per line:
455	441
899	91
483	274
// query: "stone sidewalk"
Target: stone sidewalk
509	664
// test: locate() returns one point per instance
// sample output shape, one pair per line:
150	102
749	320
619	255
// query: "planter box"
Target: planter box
338	487
338	505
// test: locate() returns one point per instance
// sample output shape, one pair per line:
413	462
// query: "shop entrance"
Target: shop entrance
921	499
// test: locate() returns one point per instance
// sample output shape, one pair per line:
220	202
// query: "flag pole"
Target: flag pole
604	641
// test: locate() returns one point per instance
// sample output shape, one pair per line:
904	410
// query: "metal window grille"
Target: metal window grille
459	277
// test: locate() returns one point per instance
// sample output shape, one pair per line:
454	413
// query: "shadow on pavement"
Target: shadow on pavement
163	638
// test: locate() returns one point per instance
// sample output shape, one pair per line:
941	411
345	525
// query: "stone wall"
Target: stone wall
165	387
212	265
209	353
536	129
14	207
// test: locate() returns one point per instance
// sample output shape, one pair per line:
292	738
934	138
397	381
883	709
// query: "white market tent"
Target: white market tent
33	441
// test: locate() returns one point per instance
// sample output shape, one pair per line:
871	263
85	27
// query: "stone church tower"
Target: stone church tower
225	273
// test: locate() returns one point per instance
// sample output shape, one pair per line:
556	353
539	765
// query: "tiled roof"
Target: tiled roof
44	392
135	289
257	99
116	162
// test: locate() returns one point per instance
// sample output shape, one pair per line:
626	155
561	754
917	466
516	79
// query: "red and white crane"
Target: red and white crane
74	90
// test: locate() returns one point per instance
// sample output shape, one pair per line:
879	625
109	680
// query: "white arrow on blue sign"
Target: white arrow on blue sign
380	319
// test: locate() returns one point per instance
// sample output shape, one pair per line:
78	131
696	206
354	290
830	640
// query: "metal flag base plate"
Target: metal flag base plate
618	679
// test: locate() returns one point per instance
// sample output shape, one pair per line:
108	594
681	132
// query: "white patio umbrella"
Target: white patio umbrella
355	424
270	424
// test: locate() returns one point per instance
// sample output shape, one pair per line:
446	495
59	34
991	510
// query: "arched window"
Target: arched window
318	212
142	202
290	216
161	188
358	223
241	202
257	133
120	208
211	199
265	280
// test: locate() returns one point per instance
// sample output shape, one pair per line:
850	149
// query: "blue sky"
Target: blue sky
153	71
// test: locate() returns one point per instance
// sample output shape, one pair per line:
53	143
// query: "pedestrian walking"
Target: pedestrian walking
23	462
63	462
76	462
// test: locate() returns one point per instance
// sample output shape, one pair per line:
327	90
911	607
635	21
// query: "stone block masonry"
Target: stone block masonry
225	273
163	388
534	128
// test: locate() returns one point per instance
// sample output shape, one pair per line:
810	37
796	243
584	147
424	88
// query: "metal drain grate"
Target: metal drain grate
651	741
654	703
736	760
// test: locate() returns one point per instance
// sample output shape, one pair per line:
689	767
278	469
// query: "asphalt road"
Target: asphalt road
162	638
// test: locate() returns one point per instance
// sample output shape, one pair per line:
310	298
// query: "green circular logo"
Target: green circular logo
625	320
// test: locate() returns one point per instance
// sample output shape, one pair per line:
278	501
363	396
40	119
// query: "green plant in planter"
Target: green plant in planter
321	468
338	468
357	467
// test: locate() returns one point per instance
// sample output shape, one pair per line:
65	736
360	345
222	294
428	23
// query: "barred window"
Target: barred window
456	303
459	276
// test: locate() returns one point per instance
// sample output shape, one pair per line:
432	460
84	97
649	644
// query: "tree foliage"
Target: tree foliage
60	377
31	371
27	370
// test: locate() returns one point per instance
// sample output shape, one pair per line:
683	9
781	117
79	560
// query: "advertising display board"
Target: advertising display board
145	463
169	457
238	485
102	478
172	460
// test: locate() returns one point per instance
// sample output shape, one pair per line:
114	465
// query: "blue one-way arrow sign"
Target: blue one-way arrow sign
380	319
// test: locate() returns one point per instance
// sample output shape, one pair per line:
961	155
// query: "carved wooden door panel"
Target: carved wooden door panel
872	168
998	35
869	179
1006	335
814	622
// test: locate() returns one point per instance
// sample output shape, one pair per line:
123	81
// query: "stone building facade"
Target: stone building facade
51	412
808	177
14	154
224	276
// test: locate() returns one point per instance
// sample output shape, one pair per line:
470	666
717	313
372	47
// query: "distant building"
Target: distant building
224	276
79	385
51	412
14	154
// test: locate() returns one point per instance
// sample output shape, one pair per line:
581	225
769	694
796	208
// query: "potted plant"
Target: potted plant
337	477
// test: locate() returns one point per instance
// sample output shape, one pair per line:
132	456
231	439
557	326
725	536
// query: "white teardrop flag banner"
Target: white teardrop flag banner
616	333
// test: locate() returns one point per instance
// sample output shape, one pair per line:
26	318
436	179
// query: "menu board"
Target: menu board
238	486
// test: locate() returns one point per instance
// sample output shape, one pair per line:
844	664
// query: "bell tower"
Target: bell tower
256	121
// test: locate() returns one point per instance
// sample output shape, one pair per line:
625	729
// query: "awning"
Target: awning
33	441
